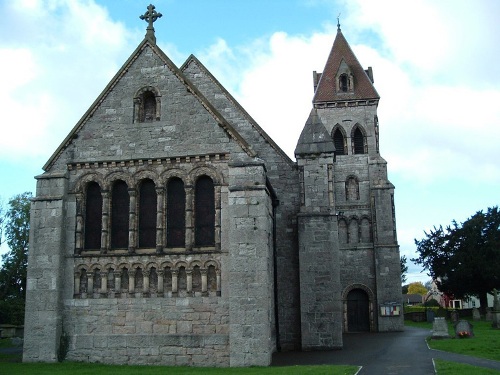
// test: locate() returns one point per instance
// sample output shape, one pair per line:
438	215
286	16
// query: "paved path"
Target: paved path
391	353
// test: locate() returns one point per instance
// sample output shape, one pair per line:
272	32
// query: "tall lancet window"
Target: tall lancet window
358	142
93	216
176	213
204	212
339	142
147	214
120	202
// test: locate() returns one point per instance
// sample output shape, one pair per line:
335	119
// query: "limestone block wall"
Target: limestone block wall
45	257
187	331
251	302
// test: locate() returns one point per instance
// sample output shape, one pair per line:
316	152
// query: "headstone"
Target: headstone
496	311
464	329
454	316
489	315
475	314
440	328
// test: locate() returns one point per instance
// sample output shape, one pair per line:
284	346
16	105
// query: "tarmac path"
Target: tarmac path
391	353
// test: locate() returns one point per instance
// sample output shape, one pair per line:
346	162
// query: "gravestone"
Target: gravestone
496	311
475	314
454	316
464	328
440	328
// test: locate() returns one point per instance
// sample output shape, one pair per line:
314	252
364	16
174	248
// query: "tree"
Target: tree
464	259
404	269
417	288
14	263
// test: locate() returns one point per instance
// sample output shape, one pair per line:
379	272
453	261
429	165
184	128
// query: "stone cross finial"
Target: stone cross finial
150	16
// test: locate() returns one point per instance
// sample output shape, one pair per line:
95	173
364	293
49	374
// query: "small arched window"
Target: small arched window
93	216
344	83
339	142
147	105
204	212
358	142
148	112
120	202
147	214
176	213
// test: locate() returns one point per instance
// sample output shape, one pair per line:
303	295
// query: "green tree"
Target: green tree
464	259
16	227
404	269
417	288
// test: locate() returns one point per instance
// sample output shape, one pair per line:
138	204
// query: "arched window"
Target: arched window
365	231
148	107
119	215
147	214
204	207
344	83
358	142
339	142
352	189
176	213
342	231
93	216
353	231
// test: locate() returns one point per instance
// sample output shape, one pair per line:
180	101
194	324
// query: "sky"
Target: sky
435	63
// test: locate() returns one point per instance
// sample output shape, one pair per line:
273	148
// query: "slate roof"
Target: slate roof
314	138
326	90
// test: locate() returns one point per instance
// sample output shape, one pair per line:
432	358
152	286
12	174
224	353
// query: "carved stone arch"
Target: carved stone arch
359	143
205	170
123	265
81	183
111	177
339	137
363	287
171	173
136	265
141	98
82	267
110	266
195	263
211	262
367	309
166	264
146	174
151	265
179	264
95	266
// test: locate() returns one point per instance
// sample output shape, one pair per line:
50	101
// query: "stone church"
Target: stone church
169	228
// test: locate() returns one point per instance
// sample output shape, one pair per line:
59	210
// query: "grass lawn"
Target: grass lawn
11	364
452	368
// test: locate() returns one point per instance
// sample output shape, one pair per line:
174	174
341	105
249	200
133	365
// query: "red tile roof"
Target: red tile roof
326	90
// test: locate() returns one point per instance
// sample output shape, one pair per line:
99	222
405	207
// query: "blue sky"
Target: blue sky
435	66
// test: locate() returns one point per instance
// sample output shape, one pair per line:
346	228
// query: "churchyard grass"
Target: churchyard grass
484	344
97	369
452	368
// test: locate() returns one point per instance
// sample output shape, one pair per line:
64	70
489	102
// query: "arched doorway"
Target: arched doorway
358	311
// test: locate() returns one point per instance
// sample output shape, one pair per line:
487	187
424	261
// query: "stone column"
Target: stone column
204	282
131	281
132	232
145	281
105	222
160	237
160	273
104	283
175	275
118	282
79	224
189	217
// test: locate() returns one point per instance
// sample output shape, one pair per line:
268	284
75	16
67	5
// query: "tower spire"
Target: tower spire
338	23
150	16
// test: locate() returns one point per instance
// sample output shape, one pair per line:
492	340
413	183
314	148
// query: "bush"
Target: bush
12	312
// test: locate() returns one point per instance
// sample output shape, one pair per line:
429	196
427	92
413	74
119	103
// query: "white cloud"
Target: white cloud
49	69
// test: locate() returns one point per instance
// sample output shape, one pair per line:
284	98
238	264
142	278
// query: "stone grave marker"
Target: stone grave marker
454	316
496	310
440	328
475	314
463	328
